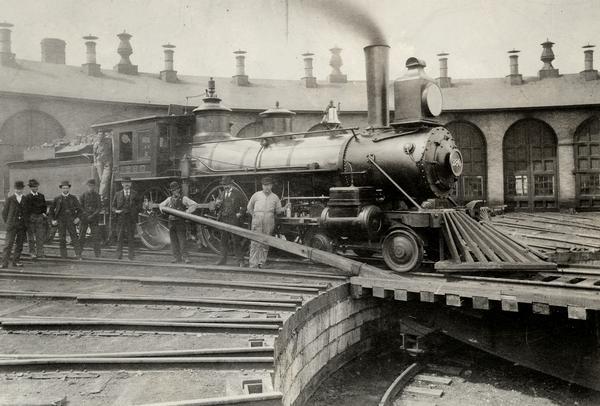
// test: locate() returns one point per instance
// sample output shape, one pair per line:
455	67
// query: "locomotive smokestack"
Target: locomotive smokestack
377	61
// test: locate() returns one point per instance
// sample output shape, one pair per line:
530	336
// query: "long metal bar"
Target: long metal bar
477	235
449	240
384	173
522	250
137	360
473	246
327	258
489	239
461	242
276	136
164	353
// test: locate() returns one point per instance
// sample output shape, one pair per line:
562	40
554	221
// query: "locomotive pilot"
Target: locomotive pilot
36	228
263	206
14	214
125	207
231	210
90	207
177	226
65	214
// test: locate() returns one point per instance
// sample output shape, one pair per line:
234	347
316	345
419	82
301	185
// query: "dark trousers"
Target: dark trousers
125	230
177	233
65	226
13	234
36	234
236	241
94	235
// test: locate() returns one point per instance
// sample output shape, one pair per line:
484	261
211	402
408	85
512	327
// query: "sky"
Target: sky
476	33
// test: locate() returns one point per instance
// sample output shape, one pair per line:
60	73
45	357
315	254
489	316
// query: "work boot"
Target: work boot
17	264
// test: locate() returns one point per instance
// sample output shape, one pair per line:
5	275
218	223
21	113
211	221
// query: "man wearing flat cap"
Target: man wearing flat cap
90	208
14	214
177	227
231	208
263	206
125	206
65	213
37	226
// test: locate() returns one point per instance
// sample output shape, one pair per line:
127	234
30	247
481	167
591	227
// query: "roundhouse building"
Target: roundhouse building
532	143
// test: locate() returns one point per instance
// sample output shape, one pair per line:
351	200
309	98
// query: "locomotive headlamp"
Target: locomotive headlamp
456	162
431	100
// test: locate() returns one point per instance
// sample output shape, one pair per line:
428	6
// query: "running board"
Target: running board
479	247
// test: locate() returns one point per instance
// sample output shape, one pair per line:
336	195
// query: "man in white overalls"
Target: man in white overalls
263	207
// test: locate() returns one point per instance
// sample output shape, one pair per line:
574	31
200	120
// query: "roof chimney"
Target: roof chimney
444	80
589	73
53	50
169	75
514	78
240	78
125	50
7	58
336	63
308	80
90	67
547	71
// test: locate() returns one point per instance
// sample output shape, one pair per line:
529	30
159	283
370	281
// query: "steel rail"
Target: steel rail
220	352
137	360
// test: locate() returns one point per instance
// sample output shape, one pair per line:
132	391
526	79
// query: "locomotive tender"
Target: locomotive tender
349	189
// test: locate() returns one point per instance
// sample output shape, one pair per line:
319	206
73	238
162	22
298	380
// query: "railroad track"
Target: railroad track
106	332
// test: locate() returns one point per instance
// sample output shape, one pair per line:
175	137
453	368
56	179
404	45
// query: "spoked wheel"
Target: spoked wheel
319	241
152	229
212	236
402	250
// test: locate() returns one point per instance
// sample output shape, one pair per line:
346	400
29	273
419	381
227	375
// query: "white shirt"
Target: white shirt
19	197
187	202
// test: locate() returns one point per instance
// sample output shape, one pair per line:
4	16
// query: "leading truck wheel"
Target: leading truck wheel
402	250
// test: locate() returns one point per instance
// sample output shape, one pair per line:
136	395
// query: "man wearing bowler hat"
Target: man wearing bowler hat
36	228
231	208
263	206
125	207
177	228
14	214
65	214
90	207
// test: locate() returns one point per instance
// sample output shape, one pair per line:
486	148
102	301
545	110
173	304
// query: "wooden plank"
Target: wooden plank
417	390
453	300
540	308
577	312
494	266
509	303
481	303
381	292
256	399
442	380
163	353
137	360
428	297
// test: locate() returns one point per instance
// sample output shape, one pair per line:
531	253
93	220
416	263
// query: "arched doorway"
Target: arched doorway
530	176
587	163
471	185
25	129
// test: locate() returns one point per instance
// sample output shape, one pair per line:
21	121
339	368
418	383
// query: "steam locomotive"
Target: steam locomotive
367	191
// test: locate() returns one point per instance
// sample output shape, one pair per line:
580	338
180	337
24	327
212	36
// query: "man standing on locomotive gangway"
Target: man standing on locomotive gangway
91	206
263	207
177	227
125	206
65	213
14	214
231	209
37	227
103	162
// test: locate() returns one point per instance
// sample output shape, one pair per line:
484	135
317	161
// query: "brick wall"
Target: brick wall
322	336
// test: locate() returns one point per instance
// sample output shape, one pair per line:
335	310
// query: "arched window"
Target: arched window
470	140
587	163
25	129
529	151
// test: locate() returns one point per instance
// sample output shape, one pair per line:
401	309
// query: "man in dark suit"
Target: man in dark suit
231	208
36	207
14	214
65	213
90	207
125	207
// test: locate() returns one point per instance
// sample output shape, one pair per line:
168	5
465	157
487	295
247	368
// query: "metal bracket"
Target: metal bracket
371	158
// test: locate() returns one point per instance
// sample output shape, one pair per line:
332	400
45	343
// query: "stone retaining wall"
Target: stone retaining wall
322	336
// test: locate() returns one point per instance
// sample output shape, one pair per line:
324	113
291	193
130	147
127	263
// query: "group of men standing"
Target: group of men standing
27	215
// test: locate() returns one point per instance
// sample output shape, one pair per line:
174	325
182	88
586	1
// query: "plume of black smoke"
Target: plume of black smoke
350	14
